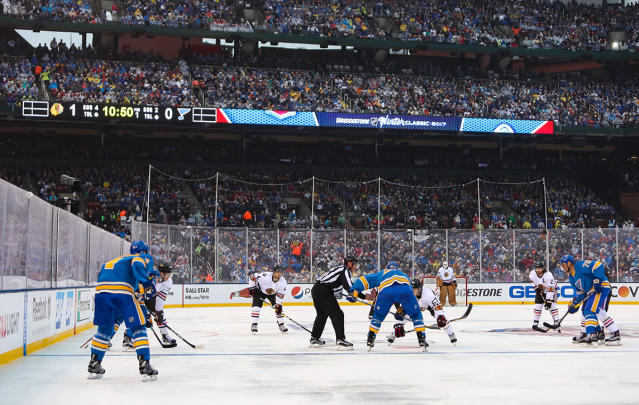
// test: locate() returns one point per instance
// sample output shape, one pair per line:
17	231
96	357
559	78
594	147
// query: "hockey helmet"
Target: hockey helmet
278	268
417	283
392	265
139	246
164	267
351	259
445	264
567	259
540	264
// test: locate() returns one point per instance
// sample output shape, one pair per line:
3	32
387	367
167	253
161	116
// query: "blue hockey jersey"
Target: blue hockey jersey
381	279
123	274
586	271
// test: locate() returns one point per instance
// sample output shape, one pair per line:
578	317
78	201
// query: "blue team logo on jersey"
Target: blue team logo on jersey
297	292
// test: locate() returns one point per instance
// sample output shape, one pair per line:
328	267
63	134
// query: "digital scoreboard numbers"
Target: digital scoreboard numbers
69	111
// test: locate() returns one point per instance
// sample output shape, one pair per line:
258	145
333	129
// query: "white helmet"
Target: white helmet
445	264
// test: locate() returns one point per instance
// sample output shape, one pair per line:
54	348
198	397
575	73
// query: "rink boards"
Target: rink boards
31	320
200	295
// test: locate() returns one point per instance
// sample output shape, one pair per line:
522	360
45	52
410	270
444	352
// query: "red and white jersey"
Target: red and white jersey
430	300
264	281
446	274
549	283
162	290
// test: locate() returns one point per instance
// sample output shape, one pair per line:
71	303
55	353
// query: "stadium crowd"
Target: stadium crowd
579	99
520	23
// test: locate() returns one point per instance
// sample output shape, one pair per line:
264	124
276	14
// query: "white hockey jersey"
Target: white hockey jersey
549	283
446	274
264	281
162	290
429	300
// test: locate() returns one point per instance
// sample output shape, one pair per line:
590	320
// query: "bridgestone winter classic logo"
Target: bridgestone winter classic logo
9	324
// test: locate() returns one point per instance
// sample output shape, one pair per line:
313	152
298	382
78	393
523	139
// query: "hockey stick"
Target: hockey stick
185	341
288	317
86	344
164	346
556	326
435	327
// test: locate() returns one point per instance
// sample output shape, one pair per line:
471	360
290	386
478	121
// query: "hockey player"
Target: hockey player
427	300
447	284
114	298
268	286
155	304
393	286
591	285
545	296
325	292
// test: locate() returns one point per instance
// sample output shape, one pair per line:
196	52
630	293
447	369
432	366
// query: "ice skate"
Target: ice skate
147	372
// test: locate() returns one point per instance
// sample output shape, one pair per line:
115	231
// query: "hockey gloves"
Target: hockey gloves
441	321
351	298
547	305
399	330
596	284
252	291
573	308
278	309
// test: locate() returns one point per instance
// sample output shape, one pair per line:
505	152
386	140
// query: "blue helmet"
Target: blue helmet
392	265
567	259
139	246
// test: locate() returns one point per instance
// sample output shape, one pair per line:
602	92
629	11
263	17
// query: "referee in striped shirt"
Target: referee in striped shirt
323	293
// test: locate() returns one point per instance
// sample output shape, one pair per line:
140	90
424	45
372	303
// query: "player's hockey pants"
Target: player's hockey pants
326	306
447	290
402	294
592	305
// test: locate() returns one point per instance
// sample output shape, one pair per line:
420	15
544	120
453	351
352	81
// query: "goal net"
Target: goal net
461	293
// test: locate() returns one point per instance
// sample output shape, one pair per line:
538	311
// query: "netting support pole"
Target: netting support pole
514	257
480	255
543	180
88	253
617	250
447	258
278	245
379	223
217	177
148	203
312	221
344	241
412	251
57	253
582	244
191	255
478	206
246	242
217	238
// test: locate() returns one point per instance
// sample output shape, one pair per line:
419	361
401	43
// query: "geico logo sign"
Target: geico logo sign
625	291
9	324
480	292
520	291
41	308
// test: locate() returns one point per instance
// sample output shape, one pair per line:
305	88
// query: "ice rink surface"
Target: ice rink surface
497	358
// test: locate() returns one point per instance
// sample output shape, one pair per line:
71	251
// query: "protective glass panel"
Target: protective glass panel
14	241
530	247
563	241
497	256
600	244
328	250
397	246
231	256
463	253
295	255
203	254
39	244
179	254
363	245
628	255
262	250
430	252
